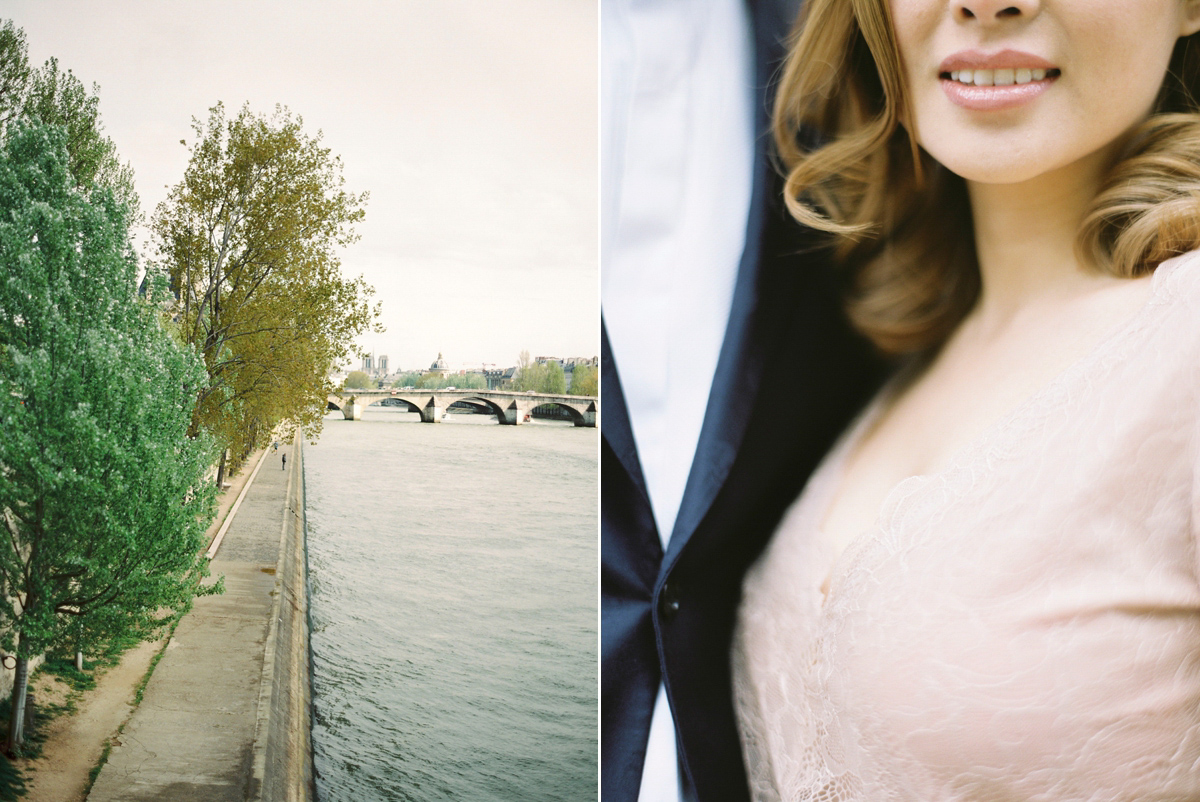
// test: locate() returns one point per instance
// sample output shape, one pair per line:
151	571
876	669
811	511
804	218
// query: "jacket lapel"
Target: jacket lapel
739	366
616	428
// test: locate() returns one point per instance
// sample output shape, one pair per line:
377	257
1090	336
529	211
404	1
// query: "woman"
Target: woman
991	588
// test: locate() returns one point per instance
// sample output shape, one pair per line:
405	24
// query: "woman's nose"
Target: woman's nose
990	11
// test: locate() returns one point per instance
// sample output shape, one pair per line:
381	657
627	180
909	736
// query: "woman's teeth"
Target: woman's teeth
1000	77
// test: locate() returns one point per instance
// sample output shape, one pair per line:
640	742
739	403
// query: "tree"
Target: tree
358	380
407	379
459	381
103	506
539	377
583	380
249	239
14	72
554	381
469	381
54	97
429	381
529	374
59	98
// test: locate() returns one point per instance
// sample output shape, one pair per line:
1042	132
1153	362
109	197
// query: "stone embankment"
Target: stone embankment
283	746
226	715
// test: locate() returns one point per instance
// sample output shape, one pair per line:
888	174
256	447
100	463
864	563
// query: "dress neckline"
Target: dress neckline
832	474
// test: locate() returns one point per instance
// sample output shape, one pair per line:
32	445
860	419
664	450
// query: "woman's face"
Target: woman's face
1004	91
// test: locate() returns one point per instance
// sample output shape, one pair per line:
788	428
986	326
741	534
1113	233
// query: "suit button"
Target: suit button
668	602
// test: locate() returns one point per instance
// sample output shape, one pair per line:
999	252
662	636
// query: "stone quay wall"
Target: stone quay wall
283	742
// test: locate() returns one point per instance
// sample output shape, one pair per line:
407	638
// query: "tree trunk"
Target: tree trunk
79	659
16	719
221	470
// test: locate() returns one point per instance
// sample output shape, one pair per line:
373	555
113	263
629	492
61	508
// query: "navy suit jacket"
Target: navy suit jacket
789	377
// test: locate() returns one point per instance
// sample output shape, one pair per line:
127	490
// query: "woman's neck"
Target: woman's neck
1025	239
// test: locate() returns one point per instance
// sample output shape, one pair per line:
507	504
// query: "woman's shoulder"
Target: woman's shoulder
1177	280
1172	313
1165	340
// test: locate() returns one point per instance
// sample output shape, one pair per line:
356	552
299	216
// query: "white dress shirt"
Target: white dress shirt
677	160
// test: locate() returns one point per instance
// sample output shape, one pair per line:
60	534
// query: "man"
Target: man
727	371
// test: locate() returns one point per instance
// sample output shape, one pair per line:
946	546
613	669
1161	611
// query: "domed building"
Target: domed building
439	366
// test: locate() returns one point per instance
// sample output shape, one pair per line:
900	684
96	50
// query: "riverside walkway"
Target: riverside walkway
193	737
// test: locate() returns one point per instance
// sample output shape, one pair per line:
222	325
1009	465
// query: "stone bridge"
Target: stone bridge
510	408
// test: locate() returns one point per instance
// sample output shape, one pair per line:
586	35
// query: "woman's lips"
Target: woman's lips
983	81
1006	89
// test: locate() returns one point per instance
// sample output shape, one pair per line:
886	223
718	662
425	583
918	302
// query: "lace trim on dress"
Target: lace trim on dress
1023	623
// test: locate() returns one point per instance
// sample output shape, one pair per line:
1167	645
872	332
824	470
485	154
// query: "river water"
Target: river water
453	603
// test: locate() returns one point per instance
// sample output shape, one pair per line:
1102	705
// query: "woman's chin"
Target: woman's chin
999	169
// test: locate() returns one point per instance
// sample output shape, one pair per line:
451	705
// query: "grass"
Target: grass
12	784
141	686
94	772
78	682
64	670
35	733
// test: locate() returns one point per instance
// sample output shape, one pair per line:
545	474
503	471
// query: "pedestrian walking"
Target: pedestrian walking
284	466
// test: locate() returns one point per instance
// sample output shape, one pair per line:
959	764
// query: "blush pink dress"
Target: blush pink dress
1023	625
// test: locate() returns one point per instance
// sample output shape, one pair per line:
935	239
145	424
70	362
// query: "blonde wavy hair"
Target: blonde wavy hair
902	222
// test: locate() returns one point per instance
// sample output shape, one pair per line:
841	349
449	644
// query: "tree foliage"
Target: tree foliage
250	240
526	378
469	381
14	72
539	377
59	98
554	381
358	380
49	95
584	381
103	506
459	381
409	379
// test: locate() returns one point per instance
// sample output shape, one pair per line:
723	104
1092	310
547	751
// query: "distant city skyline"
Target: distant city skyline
371	363
473	128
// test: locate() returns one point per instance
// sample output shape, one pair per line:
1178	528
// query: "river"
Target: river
453	603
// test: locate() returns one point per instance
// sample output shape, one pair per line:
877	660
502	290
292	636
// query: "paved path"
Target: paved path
192	737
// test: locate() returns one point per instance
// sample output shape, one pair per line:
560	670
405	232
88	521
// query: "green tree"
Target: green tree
51	96
469	381
539	377
554	381
14	72
59	98
583	380
529	375
250	239
101	490
358	380
428	381
407	379
459	381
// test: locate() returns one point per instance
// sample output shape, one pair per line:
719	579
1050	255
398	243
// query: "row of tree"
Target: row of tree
114	406
249	240
549	377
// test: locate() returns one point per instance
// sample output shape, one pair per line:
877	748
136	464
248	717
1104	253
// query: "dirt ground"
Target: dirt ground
75	742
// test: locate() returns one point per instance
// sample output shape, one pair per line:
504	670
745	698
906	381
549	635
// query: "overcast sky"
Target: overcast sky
472	125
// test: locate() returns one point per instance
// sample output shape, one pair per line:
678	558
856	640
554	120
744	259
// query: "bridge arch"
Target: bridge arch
576	415
491	405
510	408
393	401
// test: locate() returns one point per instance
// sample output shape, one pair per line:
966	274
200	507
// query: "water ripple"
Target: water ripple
453	581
